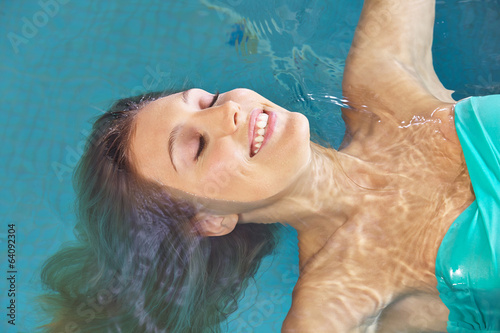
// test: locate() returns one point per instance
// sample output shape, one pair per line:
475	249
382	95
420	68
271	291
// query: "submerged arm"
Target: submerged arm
389	67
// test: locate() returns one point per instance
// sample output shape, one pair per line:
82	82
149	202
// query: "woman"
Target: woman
177	196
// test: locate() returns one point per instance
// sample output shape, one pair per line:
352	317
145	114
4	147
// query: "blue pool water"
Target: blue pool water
62	62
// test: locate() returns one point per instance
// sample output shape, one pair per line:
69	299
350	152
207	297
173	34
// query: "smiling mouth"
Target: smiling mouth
260	129
259	133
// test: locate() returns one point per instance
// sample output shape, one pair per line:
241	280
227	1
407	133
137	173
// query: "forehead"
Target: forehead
149	140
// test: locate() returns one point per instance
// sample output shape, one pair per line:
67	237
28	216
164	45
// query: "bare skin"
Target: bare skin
376	262
371	216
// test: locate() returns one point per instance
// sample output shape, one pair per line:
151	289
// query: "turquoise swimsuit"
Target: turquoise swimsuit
468	260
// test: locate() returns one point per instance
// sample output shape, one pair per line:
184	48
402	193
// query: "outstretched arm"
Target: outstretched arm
389	67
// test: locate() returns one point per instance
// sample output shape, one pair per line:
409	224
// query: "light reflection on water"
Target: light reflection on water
91	53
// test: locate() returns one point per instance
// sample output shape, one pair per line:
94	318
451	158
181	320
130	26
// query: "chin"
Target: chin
303	132
299	147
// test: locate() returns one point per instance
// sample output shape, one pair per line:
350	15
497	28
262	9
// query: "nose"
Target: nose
221	120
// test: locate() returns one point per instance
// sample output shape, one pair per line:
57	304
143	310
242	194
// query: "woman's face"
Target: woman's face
237	146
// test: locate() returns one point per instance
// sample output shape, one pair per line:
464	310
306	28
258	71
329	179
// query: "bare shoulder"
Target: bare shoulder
306	316
303	318
338	289
315	310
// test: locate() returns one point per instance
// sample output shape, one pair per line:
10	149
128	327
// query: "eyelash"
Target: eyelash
216	97
200	147
202	142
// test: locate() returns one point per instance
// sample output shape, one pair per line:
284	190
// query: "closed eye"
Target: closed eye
201	146
216	96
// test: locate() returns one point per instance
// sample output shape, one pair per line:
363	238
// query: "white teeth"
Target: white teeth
262	120
261	124
263	116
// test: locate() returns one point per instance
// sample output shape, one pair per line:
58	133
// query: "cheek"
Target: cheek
224	175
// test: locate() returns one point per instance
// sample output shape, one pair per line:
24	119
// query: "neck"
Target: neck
325	195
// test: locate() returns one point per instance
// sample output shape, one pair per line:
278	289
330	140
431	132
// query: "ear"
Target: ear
215	225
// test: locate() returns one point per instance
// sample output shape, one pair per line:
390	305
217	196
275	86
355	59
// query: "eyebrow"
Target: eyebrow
171	140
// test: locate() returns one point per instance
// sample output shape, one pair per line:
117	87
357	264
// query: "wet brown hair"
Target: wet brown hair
138	266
